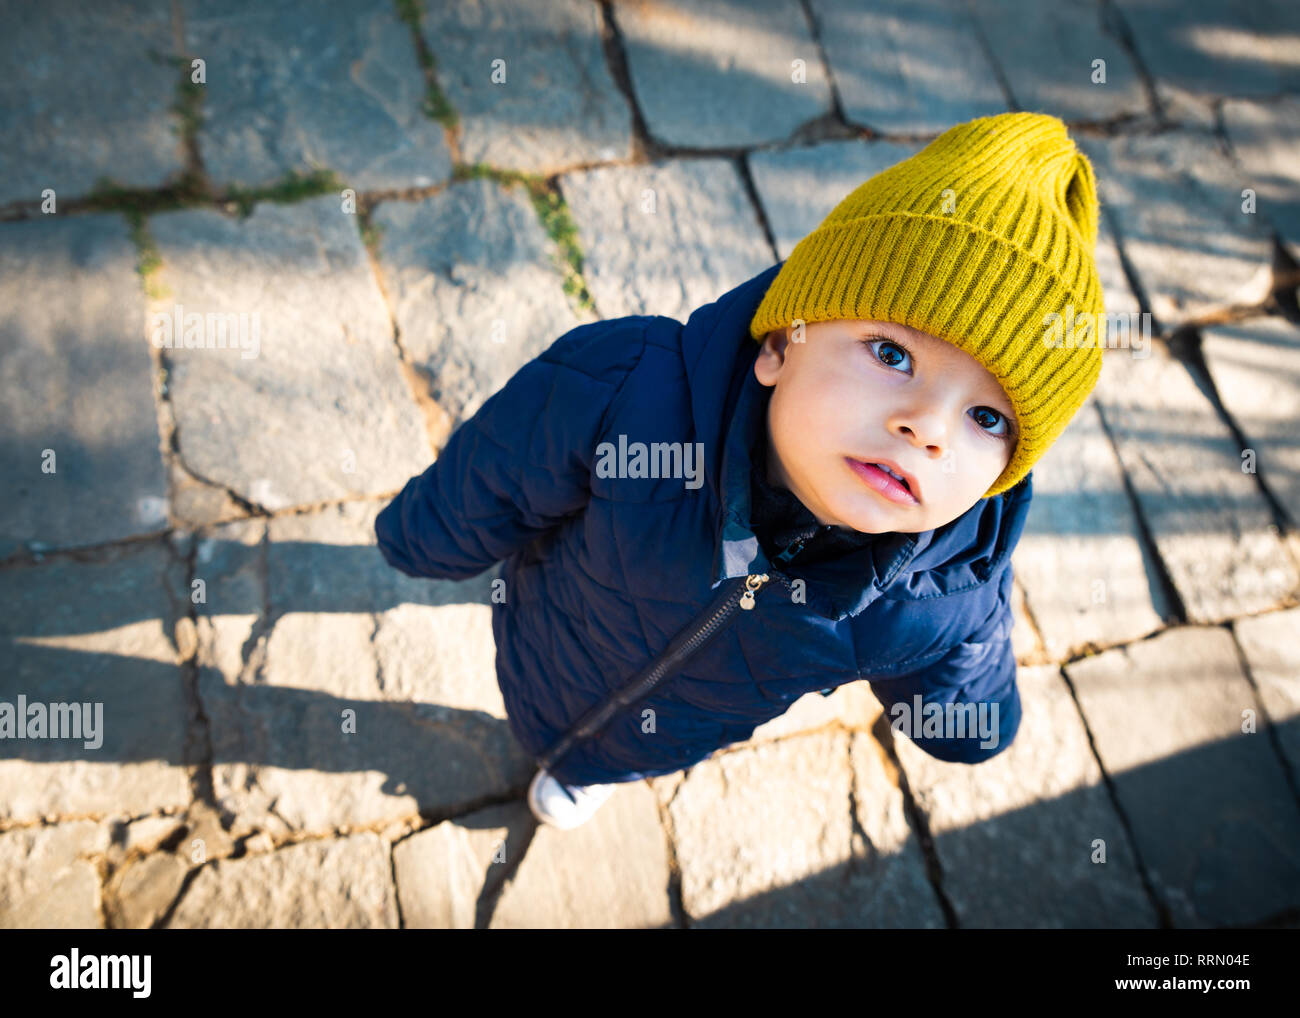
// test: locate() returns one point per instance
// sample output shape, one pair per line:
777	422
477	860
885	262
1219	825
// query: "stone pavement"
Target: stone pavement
360	193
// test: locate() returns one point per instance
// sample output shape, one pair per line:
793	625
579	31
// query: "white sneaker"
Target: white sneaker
565	806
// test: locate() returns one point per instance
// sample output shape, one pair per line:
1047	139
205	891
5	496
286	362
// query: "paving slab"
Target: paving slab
339	692
610	873
1255	366
48	878
1207	802
1213	530
1048	54
448	873
1018	835
1174	200
883	62
476	288
81	445
529	83
1265	140
663	239
1216	47
309	404
340	90
86	95
805	832
720	73
333	884
1269	643
90	643
799	187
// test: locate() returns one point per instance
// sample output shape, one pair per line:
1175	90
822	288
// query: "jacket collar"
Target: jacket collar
730	408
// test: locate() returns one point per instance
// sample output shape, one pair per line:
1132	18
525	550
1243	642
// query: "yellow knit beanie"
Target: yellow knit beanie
977	239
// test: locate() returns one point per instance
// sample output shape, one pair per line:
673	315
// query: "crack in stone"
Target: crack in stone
1027	616
917	820
814	30
1148	879
392	877
857	833
200	729
379	664
1113	24
1291	777
1150	548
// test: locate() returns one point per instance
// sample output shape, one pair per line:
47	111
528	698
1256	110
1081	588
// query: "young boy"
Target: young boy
819	478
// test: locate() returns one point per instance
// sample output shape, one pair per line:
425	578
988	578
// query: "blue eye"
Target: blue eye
886	344
998	419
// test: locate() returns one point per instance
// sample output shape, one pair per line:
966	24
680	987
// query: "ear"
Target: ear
771	356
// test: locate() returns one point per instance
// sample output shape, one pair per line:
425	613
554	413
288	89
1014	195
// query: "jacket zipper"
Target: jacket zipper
792	549
681	648
677	652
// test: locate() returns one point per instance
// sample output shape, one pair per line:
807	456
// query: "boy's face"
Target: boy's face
871	391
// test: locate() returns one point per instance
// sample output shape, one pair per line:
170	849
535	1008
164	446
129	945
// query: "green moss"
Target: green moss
292	187
148	260
189	102
109	196
371	234
435	105
136	205
506	178
552	213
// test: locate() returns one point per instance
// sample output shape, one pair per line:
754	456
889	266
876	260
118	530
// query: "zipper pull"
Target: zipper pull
794	547
790	551
752	582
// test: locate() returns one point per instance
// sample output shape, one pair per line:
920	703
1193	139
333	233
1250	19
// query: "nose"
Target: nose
924	427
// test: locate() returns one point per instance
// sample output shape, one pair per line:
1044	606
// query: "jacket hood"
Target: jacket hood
719	354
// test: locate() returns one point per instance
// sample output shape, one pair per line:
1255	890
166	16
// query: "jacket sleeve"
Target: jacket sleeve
977	677
519	466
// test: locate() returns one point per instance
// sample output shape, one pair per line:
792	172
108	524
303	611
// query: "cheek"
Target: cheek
814	417
785	421
987	460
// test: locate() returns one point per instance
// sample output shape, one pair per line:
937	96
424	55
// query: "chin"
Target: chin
867	521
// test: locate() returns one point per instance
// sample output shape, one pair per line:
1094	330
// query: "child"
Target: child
701	523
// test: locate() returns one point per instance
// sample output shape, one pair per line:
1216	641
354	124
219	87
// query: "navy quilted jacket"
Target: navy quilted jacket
643	626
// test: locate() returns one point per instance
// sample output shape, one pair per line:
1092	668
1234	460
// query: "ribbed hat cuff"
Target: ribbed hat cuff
914	236
961	283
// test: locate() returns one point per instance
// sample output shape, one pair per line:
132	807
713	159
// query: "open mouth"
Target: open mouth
896	476
885	481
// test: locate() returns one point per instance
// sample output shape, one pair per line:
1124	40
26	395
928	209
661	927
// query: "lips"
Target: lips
903	492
